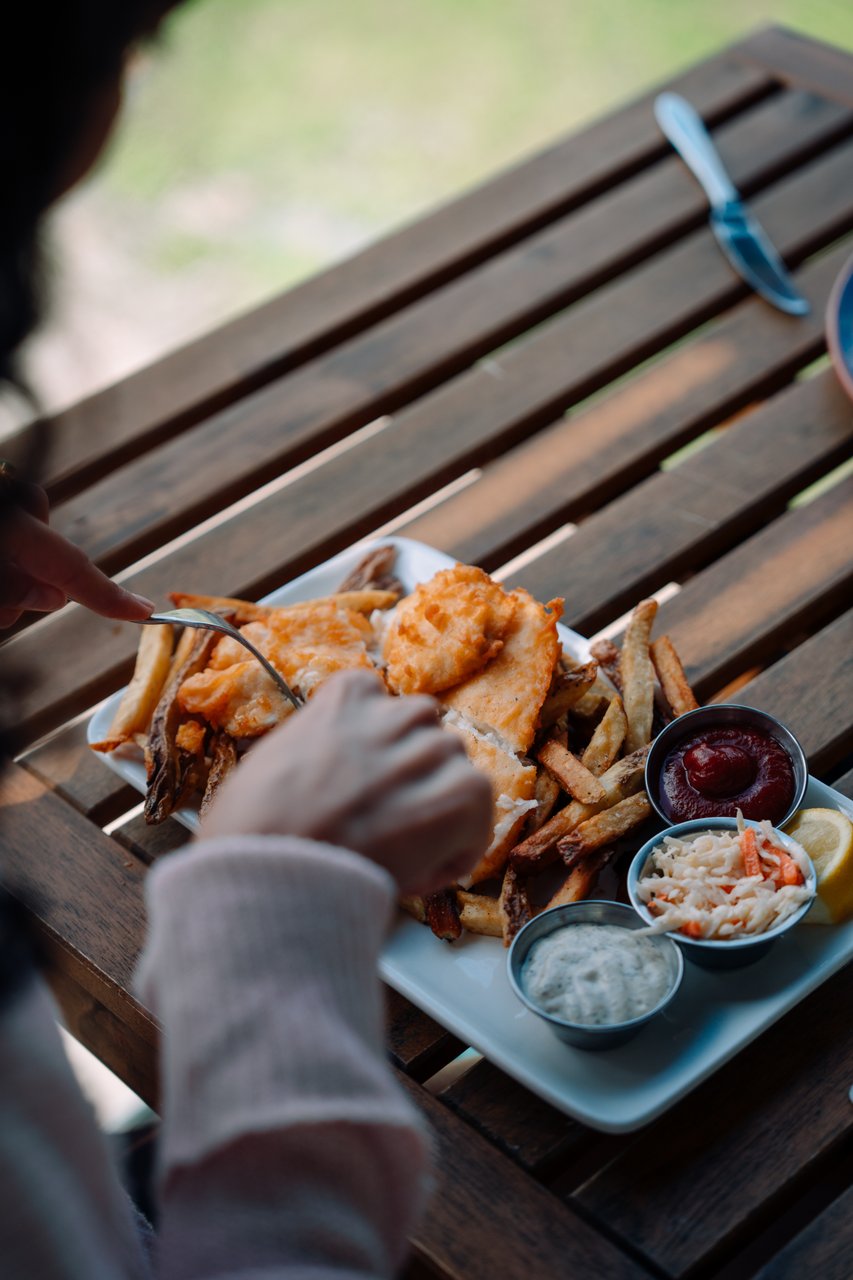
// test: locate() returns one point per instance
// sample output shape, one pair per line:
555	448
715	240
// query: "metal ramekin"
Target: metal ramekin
717	953
723	716
575	1033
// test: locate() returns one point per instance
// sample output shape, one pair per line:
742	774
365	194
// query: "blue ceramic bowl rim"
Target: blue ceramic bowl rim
560	914
715	944
680	728
839	326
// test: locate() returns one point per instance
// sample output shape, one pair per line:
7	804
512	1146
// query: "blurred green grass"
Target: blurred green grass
325	123
265	139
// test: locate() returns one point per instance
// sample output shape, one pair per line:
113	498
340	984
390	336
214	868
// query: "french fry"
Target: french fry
243	611
573	776
606	655
580	879
623	778
605	827
546	795
567	689
415	906
187	641
166	765
539	849
638	675
479	913
376	570
603	747
595	701
513	904
153	659
670	673
223	758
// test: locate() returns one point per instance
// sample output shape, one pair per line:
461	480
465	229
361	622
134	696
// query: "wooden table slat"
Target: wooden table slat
487	1218
416	1043
221	366
168	489
793	575
131	1057
574	465
150	842
68	765
463	423
84	892
801	60
824	1248
678	520
685	1190
514	1120
809	690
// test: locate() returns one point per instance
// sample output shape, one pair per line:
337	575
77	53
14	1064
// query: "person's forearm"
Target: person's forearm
287	1145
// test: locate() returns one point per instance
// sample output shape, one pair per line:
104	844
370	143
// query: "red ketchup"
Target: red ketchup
716	773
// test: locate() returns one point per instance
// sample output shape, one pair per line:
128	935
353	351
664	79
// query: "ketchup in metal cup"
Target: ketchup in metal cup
716	773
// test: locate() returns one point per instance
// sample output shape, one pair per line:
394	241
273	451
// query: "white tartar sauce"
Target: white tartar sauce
596	974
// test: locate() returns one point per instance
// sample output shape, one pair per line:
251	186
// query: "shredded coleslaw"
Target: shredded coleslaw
700	886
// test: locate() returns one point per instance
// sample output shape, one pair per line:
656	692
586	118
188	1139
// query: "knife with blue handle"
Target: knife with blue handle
739	234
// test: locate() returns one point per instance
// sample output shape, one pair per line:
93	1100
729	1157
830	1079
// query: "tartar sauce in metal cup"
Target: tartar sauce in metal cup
596	974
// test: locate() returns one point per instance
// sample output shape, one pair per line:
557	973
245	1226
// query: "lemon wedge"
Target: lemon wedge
827	837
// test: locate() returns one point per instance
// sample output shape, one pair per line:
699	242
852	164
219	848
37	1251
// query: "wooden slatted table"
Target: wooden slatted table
556	376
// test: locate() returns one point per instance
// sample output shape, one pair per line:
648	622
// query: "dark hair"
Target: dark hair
58	57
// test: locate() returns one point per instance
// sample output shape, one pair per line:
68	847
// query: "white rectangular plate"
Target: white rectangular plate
463	985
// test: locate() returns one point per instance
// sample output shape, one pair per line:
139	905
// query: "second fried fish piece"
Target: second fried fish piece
446	630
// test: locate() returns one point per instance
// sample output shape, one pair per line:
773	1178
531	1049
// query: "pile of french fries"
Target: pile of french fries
595	731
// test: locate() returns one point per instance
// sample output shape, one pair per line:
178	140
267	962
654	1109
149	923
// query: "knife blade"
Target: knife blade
739	233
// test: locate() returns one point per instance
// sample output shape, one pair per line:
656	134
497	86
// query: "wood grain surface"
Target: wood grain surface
614	414
223	366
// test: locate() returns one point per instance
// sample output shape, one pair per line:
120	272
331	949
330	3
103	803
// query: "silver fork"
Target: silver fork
207	621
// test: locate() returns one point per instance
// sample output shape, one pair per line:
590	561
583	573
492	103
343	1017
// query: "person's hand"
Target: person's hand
371	773
41	571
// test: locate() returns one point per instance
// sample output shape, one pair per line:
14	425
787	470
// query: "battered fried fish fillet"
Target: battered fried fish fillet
513	793
306	646
506	697
446	630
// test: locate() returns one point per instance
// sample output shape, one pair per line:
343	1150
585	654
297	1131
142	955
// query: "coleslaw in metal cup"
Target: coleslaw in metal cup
719	953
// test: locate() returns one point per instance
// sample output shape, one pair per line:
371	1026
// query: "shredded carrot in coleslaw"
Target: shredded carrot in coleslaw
702	886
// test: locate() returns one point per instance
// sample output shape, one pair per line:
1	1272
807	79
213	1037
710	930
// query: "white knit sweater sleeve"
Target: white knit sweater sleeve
288	1148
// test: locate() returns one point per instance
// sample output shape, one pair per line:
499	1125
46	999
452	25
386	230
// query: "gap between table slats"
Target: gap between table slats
488	1218
681	519
157	496
84	893
602	446
442	435
729	1154
328	309
576	464
802	61
823	1248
